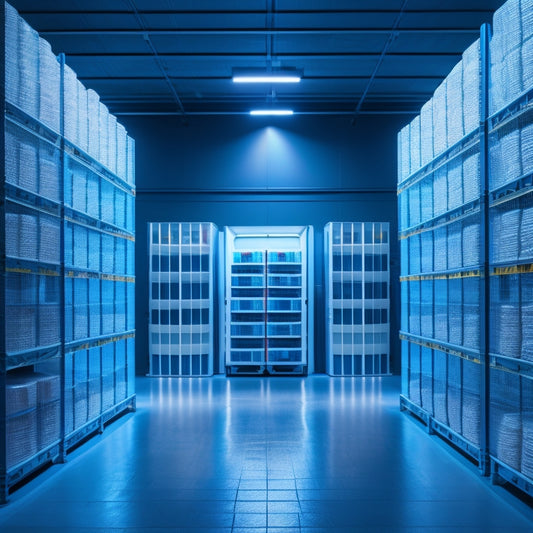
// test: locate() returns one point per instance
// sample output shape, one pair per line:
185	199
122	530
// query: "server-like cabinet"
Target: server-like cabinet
182	259
357	298
267	301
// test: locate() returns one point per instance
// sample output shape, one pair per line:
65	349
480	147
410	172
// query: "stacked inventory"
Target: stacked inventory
181	298
40	274
266	300
439	186
99	243
510	217
357	298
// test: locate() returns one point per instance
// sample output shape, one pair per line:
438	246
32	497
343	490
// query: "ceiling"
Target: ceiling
178	56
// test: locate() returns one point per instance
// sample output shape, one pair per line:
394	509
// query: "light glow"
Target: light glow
266	78
272	112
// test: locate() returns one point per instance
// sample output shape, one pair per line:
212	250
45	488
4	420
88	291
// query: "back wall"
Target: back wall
243	170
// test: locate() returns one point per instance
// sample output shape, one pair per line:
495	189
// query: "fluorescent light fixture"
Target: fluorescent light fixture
272	112
277	77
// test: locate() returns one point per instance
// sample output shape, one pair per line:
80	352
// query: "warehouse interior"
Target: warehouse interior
145	442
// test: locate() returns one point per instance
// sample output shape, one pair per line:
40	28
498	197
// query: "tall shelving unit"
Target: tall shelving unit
357	298
182	270
479	394
442	259
267	301
67	360
510	218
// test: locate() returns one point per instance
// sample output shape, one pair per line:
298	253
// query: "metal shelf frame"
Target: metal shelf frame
509	117
20	123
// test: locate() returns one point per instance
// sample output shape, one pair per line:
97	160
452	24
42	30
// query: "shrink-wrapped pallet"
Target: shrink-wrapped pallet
414	309
103	134
454	394
440	140
505	236
28	164
70	104
439	387
415	374
112	143
29	85
455	312
507	29
455	246
471	408
83	117
414	205
527	63
426	133
471	310
49	324
28	236
80	246
471	87
526	147
50	239
471	178
441	310
414	254
404	153
81	310
93	139
122	152
49	169
440	191
21	422
131	161
12	52
414	144
107	201
426	251
471	245
426	381
440	249
526	233
454	104
95	253
426	309
50	80
12	156
426	199
455	184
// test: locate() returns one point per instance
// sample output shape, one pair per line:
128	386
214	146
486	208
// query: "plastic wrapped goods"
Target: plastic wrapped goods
50	239
471	87
471	178
414	144
29	87
426	251
93	141
426	133
28	164
439	387
404	153
526	233
471	245
526	146
454	394
112	143
122	152
414	205
50	79
440	191
505	236
527	63
455	246
527	446
454	104
455	184
507	30
49	167
455	311
440	249
21	423
131	161
526	329
83	117
12	54
103	119
70	102
426	199
426	381
440	140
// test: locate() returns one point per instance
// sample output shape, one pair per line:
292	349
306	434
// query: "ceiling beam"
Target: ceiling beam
257	31
228	78
255	55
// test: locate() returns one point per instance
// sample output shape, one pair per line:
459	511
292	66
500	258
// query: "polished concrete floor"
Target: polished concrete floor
308	455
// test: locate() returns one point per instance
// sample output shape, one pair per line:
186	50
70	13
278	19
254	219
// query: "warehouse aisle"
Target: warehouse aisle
264	454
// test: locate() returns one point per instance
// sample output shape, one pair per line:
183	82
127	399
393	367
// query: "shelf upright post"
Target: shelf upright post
484	458
3	365
62	449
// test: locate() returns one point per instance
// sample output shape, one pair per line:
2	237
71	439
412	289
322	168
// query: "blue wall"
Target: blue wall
253	171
